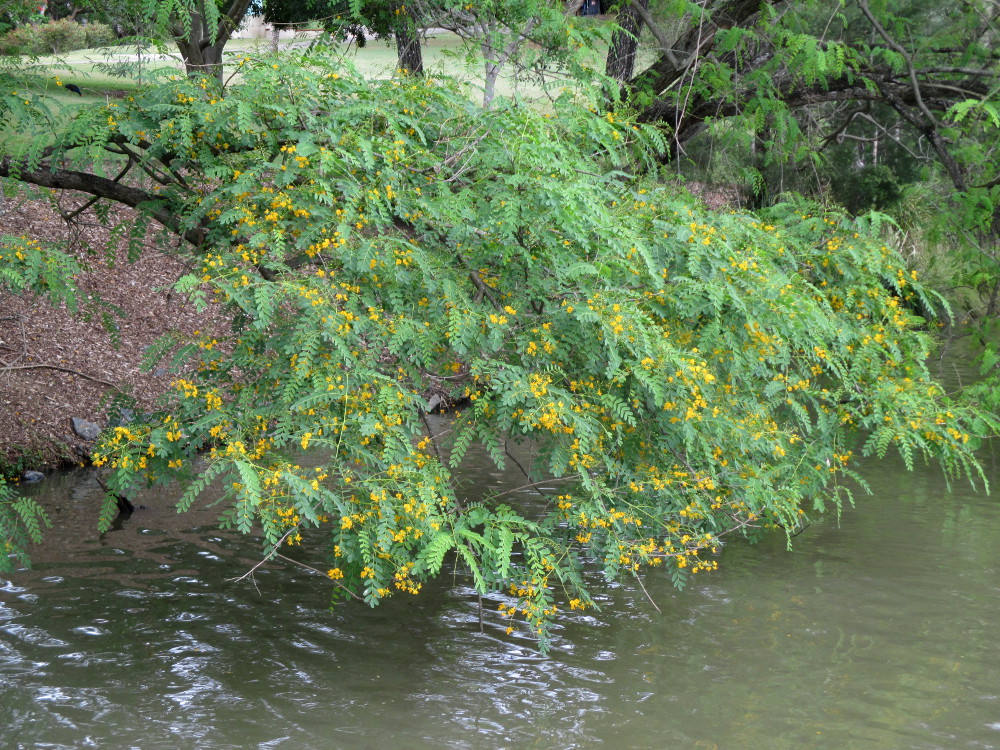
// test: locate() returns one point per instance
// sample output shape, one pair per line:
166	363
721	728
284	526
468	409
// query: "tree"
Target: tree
385	248
770	61
863	100
200	28
202	34
16	12
407	34
527	35
378	17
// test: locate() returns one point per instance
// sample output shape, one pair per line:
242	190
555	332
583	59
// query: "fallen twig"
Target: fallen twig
7	368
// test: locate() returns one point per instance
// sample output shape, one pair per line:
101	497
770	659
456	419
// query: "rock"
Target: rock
86	430
32	476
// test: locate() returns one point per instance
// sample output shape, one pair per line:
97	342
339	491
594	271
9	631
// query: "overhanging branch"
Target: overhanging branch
48	176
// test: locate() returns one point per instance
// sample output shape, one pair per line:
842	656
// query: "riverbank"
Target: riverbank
55	366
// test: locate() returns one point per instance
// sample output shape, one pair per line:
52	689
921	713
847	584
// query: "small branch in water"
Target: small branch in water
437	451
534	485
268	556
430	436
274	553
344	588
643	587
799	529
125	506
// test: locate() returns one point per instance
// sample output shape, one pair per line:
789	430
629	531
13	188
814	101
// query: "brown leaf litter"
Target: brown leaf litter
54	365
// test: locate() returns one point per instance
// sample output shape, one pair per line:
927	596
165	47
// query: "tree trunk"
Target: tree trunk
409	56
200	48
202	57
624	43
666	70
490	84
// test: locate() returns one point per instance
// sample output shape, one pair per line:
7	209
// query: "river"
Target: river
876	630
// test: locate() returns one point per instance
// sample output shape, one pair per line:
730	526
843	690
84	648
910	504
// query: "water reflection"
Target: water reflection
875	631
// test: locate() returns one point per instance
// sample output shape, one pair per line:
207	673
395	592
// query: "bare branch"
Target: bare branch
47	175
647	18
8	368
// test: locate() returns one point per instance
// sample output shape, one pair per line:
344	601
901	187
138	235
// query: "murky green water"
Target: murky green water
877	631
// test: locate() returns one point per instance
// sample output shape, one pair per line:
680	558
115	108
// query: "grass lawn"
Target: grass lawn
443	53
90	69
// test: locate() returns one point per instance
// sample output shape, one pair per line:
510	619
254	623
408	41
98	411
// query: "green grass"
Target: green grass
443	53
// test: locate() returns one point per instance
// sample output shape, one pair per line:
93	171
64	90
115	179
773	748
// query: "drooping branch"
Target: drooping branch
668	70
50	176
921	92
930	125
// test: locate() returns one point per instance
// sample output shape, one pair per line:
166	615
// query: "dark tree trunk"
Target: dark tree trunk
666	70
201	57
624	43
410	57
202	54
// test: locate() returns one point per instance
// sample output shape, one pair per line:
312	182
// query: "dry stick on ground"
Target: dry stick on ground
24	339
7	368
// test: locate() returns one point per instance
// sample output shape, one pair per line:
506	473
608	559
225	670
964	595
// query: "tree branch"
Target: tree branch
8	368
49	176
643	13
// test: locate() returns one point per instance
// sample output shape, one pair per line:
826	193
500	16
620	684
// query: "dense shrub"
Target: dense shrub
62	36
872	187
23	40
55	37
674	377
98	34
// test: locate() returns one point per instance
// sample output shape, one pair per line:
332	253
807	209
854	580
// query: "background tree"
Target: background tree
620	61
381	18
16	12
862	101
526	35
200	28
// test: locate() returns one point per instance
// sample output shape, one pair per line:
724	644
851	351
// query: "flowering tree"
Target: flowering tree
385	248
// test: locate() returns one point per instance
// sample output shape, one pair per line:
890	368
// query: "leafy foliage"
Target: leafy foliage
382	246
28	266
21	522
16	12
533	39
